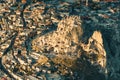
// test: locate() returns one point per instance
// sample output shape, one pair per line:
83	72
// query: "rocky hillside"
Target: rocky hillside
59	40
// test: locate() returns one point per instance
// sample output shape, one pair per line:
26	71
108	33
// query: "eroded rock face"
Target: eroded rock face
112	46
72	1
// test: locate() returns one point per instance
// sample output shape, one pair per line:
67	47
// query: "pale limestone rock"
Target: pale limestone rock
96	0
31	78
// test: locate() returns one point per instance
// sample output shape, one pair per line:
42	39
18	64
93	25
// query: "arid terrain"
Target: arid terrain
59	39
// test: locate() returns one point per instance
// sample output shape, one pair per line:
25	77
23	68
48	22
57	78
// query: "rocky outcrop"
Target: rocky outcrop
112	47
